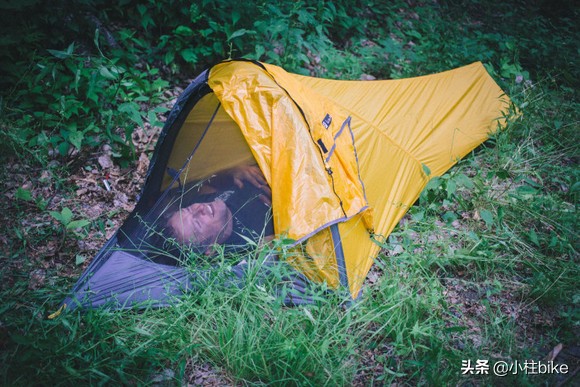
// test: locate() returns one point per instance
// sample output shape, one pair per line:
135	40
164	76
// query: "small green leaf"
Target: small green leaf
526	191
449	216
241	32
63	148
76	138
70	48
426	169
132	109
206	32
260	50
169	57
418	216
487	217
80	259
189	55
66	215
106	73
77	224
235	17
23	194
184	31
56	215
59	54
303	58
534	237
451	188
434	183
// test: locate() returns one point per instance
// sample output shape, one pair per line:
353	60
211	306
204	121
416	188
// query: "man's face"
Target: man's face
202	223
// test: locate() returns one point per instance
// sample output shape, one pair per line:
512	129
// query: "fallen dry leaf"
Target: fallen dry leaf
142	164
554	352
367	77
105	161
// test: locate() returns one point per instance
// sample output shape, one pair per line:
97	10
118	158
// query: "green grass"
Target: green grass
484	266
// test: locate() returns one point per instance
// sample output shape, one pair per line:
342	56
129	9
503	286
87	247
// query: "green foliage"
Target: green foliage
70	101
61	100
65	218
83	76
295	35
68	225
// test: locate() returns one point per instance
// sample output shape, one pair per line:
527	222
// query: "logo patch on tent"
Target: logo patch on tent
326	121
322	146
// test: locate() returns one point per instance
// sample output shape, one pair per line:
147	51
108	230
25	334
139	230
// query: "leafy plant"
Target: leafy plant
67	224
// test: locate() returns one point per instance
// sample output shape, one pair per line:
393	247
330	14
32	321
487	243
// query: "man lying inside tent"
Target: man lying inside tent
231	208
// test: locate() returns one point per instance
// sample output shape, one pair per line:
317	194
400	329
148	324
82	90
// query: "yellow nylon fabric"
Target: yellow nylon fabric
402	128
312	185
401	125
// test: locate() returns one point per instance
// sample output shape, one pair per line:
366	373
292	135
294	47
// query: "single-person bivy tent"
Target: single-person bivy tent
344	161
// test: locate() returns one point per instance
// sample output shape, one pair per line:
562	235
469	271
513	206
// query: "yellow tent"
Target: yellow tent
339	153
344	160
